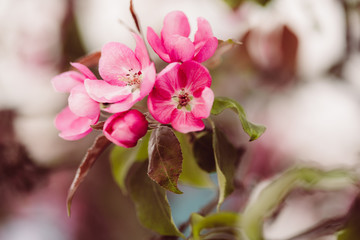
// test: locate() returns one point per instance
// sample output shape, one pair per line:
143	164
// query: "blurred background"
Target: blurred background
296	71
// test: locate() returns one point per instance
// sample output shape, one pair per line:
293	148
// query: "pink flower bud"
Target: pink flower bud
126	128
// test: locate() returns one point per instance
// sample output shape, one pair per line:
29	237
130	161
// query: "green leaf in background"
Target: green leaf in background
222	103
204	152
236	3
226	158
221	219
271	196
165	158
152	206
121	160
192	174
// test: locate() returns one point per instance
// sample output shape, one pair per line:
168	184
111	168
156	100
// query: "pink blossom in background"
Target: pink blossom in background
174	44
126	128
127	76
182	96
74	121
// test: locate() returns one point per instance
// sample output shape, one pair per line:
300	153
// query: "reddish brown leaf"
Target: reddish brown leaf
165	158
133	14
88	161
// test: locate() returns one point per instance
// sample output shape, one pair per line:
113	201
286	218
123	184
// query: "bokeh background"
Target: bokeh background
296	71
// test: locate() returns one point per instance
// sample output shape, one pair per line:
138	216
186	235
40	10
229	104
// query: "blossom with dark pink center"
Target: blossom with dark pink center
128	76
182	96
74	122
126	128
174	44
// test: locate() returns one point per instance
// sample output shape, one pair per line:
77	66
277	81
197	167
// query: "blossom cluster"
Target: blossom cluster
179	95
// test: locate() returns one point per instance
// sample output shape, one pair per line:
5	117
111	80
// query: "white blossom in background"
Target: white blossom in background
352	71
319	25
317	122
31	49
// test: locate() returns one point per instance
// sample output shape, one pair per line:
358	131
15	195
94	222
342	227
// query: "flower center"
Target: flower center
132	79
183	99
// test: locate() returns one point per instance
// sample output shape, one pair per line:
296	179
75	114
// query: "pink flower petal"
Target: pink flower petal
185	122
64	82
72	127
167	80
197	76
179	48
84	70
175	23
121	106
157	45
116	60
104	92
161	109
141	51
139	125
204	31
148	81
206	49
203	104
126	128
120	131
81	104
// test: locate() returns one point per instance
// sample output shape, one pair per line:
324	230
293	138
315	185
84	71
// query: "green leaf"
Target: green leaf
236	3
121	159
142	153
152	206
226	158
222	103
100	144
204	152
271	197
192	174
221	219
165	158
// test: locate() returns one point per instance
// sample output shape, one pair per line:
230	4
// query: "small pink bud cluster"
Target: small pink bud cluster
179	95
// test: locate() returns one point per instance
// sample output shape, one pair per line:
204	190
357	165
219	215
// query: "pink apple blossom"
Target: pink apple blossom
126	128
174	44
66	81
73	127
127	76
74	121
182	96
